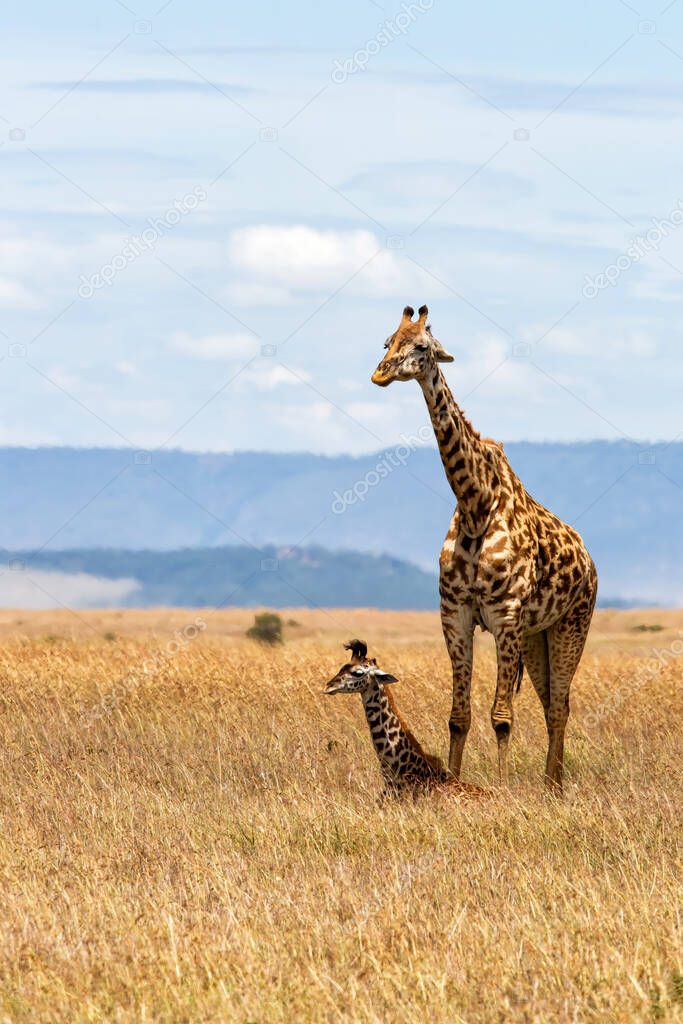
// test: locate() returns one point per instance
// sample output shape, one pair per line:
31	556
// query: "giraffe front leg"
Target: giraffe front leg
458	630
508	652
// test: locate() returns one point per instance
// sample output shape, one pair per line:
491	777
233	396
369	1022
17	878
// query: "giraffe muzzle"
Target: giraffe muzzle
381	377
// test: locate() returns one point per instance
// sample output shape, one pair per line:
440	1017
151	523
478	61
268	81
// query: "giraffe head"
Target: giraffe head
358	674
413	350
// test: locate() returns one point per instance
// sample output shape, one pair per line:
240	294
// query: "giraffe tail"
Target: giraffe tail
520	673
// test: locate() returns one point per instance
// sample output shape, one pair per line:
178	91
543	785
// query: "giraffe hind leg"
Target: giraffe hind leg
566	641
535	651
537	664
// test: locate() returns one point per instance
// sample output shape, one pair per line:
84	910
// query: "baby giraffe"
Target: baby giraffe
404	764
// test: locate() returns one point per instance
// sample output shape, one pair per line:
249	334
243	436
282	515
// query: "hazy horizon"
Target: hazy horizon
642	443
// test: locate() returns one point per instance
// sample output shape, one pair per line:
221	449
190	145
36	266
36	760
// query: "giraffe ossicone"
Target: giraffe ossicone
508	565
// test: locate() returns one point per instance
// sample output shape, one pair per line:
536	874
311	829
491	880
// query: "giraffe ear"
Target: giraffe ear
384	677
440	353
442	356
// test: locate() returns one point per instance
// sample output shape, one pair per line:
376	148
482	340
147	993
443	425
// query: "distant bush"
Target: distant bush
267	628
644	627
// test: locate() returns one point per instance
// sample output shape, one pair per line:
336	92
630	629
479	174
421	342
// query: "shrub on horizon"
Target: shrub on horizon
267	628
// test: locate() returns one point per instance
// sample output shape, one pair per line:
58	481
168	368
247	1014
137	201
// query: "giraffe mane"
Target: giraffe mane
490	442
431	759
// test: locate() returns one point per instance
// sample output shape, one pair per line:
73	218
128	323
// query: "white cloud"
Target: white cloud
271	377
125	368
658	283
300	258
300	243
290	254
489	370
65	379
14	295
25	255
353	427
223	347
317	427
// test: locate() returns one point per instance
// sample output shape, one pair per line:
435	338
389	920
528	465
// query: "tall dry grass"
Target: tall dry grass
212	848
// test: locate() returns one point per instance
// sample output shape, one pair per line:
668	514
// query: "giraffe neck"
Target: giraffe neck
400	756
466	459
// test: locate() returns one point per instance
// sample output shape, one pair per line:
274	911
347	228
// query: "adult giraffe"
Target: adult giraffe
507	564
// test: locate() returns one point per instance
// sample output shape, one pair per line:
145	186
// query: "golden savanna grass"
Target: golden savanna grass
212	848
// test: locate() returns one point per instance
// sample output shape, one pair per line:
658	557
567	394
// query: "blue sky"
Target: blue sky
492	160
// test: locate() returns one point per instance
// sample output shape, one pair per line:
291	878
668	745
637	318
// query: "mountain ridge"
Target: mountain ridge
625	499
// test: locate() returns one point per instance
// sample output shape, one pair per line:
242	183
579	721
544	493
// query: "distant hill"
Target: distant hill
215	577
626	501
